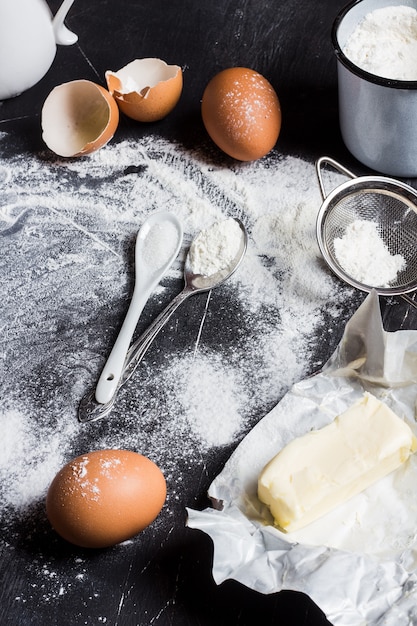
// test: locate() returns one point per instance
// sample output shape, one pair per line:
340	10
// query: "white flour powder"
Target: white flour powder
159	244
384	43
215	248
363	255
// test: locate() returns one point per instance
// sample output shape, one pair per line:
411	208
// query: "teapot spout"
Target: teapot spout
63	35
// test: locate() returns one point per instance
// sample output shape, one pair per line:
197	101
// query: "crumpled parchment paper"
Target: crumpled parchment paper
359	562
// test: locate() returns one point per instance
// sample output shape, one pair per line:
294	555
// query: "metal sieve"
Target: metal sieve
389	203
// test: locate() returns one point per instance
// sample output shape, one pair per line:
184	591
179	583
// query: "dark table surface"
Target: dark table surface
163	576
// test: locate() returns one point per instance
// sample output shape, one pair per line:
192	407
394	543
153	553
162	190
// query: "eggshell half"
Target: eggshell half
146	90
241	113
78	118
104	497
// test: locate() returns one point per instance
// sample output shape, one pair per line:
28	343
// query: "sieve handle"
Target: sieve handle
319	165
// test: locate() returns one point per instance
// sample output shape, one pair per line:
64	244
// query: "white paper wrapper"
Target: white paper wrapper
359	562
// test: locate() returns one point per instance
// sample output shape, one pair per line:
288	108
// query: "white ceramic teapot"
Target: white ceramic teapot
28	37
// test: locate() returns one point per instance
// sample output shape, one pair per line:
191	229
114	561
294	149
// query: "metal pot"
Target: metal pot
378	116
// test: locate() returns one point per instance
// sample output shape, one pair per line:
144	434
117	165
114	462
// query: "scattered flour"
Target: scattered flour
66	248
384	43
69	279
221	419
68	283
363	255
28	461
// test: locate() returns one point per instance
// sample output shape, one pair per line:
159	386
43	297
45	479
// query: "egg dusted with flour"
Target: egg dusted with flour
241	113
105	497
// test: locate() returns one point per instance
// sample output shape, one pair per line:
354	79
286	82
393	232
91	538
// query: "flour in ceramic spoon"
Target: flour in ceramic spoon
159	245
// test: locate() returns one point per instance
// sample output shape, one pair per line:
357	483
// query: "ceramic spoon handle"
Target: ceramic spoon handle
138	349
113	368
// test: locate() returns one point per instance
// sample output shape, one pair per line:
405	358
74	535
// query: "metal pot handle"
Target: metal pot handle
333	163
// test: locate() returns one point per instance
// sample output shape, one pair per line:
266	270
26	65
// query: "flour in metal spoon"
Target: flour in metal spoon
215	248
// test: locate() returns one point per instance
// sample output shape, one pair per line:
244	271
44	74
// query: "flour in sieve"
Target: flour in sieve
363	255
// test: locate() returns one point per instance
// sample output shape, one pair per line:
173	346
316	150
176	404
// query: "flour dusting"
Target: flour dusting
237	349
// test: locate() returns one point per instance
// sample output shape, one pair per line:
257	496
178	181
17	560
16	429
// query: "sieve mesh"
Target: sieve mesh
390	204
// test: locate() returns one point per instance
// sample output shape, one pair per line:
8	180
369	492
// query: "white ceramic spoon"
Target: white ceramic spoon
157	245
90	410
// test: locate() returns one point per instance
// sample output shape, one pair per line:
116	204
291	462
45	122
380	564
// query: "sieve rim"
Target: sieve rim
376	184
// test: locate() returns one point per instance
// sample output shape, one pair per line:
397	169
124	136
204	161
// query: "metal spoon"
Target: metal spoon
89	409
149	271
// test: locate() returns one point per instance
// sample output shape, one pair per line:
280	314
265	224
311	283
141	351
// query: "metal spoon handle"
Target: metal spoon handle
139	348
90	410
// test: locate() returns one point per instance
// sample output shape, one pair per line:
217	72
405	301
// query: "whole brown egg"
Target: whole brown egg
241	113
105	497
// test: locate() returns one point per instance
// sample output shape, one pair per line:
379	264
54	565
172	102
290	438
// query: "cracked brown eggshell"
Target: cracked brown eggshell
78	118
146	90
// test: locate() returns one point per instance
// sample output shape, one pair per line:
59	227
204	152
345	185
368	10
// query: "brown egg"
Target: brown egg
146	90
241	113
78	118
104	497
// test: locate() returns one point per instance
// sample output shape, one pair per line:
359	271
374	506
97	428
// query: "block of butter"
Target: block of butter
322	469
